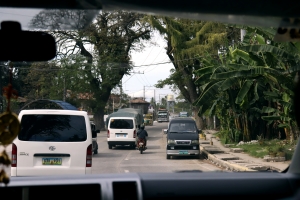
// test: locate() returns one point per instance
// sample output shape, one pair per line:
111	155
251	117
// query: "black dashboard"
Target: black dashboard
188	185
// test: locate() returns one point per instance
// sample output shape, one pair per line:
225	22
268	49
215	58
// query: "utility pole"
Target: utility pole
121	90
154	99
144	93
64	97
113	105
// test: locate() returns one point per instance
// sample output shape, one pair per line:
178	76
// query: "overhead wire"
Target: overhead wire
138	66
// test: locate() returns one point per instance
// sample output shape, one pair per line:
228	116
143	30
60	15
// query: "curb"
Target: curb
227	165
232	166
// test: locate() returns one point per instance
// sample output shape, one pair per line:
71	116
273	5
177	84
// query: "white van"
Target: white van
121	131
52	142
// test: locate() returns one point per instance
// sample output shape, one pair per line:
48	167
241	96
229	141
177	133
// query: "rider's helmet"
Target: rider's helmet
142	127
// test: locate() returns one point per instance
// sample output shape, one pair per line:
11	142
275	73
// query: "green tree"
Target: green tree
187	42
106	45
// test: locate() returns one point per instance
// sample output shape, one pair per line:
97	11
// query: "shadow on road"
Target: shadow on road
154	147
122	148
154	138
148	152
185	158
107	155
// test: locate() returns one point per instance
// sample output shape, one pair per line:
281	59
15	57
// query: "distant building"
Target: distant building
139	103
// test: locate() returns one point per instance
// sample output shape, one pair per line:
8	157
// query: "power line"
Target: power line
150	51
155	58
128	78
51	69
147	79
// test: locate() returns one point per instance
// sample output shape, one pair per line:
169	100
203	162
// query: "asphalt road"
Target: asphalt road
126	160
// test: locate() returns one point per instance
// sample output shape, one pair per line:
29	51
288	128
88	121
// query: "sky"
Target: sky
148	76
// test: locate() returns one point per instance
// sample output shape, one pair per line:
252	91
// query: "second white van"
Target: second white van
121	131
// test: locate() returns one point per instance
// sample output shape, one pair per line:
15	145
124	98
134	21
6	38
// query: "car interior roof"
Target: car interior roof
268	13
274	8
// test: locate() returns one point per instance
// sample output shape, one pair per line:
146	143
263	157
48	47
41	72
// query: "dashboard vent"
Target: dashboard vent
125	190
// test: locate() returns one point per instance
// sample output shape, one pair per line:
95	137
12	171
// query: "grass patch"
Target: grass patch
255	150
260	150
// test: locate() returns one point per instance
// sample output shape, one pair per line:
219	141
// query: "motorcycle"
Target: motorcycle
141	145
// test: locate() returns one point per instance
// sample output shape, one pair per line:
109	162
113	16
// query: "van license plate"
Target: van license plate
121	135
183	152
51	161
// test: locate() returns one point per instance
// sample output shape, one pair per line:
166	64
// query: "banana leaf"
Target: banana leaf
205	70
266	109
267	48
282	118
243	92
283	125
203	79
209	94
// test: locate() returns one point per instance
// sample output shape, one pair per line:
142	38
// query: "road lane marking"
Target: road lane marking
126	171
126	159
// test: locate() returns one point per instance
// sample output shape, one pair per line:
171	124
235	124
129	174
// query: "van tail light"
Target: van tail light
108	133
89	156
14	155
134	134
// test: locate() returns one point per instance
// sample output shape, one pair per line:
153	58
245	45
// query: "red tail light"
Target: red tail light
89	156
134	134
108	134
14	155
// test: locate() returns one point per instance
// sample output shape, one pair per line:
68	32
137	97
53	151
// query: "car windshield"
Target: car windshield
183	127
121	124
235	83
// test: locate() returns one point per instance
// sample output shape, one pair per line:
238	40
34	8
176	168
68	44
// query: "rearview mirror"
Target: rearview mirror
18	45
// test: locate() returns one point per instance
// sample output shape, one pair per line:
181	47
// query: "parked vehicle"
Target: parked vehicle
52	142
182	138
163	115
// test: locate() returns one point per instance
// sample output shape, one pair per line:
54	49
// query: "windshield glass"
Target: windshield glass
121	124
53	128
236	83
183	127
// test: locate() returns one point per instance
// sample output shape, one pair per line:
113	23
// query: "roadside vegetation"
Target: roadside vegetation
260	148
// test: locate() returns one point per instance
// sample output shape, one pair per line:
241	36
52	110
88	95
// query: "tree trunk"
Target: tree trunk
198	119
99	119
210	122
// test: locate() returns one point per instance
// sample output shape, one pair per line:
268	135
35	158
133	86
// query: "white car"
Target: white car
52	142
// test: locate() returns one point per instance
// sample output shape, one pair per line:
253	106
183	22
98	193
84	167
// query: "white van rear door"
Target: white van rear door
121	128
52	145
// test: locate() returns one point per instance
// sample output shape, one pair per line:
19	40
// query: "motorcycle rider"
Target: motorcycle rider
142	135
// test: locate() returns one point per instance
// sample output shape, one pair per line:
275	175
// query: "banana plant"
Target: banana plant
246	76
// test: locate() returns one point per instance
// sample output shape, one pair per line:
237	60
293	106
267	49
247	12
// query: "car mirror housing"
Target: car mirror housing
18	45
